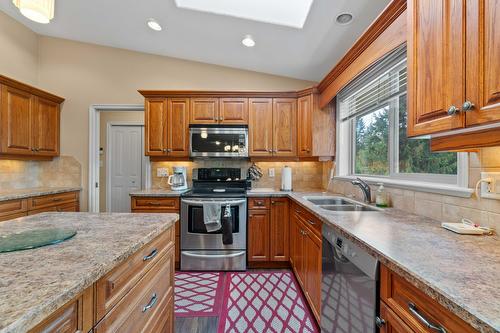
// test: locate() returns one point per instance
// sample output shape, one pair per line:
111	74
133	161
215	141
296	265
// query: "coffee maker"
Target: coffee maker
178	180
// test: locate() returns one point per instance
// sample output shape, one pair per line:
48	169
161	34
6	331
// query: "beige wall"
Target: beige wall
105	118
18	51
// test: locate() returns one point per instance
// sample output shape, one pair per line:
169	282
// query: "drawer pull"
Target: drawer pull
151	255
298	211
56	199
413	309
152	203
311	222
151	303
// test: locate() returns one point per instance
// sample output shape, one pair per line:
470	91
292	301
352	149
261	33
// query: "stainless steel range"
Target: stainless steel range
224	248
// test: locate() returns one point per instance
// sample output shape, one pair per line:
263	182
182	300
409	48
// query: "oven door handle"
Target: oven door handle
222	202
195	255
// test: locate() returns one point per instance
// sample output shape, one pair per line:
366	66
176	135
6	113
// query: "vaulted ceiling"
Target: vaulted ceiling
307	53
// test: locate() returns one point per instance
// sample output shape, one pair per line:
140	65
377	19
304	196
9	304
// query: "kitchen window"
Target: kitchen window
372	141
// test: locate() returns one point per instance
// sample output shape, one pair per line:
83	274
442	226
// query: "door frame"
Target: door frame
94	143
144	162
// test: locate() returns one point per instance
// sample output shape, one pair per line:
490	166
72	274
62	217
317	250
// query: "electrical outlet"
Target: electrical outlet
271	172
161	172
490	190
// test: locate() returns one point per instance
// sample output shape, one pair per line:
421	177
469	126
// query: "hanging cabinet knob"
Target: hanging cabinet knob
468	106
453	110
379	322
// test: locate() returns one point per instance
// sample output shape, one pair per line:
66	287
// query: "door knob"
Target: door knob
468	106
453	110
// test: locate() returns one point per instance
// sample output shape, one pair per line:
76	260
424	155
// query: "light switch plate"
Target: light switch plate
490	190
161	172
271	172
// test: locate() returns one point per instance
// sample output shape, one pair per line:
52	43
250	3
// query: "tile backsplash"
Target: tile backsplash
61	171
305	175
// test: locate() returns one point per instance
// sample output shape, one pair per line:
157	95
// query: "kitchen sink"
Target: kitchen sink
329	201
339	204
348	208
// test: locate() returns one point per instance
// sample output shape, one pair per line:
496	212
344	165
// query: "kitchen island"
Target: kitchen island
104	277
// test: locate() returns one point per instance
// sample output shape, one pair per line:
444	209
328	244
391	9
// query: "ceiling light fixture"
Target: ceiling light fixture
248	41
153	24
40	11
344	18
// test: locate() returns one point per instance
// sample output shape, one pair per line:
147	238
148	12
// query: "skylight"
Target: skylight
292	13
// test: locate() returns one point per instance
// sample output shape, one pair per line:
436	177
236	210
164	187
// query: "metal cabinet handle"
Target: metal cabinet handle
298	211
413	309
164	150
56	199
154	203
468	106
151	303
311	222
270	151
379	322
169	150
151	255
452	110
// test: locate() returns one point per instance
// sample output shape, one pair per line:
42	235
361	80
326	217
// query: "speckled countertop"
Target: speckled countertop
157	193
34	192
461	272
34	283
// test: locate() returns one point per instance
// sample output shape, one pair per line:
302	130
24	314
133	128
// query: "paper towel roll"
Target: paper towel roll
286	179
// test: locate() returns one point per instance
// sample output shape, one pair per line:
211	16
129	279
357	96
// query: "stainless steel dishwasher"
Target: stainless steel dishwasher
348	286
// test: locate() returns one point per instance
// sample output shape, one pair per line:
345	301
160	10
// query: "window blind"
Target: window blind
375	86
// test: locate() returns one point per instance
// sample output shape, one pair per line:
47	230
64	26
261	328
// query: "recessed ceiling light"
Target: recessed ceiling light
153	24
344	18
248	41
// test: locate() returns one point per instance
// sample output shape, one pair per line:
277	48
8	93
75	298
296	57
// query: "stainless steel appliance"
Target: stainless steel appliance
178	180
204	250
348	286
218	141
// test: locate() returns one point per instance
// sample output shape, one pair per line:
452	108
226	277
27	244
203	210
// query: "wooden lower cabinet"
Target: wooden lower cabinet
258	235
405	308
136	296
278	230
142	204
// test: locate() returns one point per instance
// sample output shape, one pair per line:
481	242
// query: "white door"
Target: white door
124	167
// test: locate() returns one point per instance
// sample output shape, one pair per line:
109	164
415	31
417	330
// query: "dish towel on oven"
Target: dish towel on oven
211	216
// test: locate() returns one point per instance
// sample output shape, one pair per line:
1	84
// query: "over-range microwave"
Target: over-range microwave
218	141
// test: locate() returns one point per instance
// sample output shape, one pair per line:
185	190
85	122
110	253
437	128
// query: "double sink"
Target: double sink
339	204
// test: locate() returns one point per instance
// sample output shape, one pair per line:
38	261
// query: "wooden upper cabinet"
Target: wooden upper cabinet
260	127
204	111
155	120
436	66
304	126
233	110
483	61
45	124
285	127
15	121
178	127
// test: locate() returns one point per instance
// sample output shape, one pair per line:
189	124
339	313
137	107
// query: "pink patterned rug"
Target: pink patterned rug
198	294
264	302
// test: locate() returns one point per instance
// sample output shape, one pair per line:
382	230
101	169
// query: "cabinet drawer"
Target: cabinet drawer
155	203
71	207
11	217
414	307
111	288
259	203
141	307
52	200
12	207
309	220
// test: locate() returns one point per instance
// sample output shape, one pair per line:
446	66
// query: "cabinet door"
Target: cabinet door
297	243
312	268
260	127
155	120
279	244
285	127
392	323
204	111
233	110
304	126
258	235
15	121
45	127
178	127
483	61
436	65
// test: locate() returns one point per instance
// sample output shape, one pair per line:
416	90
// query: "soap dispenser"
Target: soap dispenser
381	199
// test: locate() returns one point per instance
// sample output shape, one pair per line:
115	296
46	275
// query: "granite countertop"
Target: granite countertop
461	272
157	193
34	283
34	192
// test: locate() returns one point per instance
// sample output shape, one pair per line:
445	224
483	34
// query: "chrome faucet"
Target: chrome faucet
364	187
